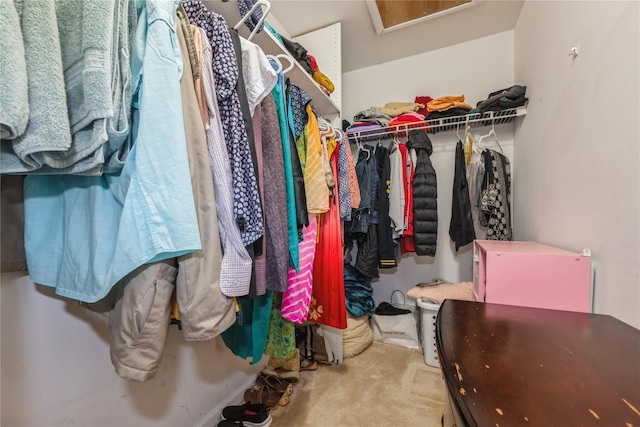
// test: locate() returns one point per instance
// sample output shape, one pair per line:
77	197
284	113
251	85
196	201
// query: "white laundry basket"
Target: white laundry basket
428	316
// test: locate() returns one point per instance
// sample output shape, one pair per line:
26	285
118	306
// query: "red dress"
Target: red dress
327	299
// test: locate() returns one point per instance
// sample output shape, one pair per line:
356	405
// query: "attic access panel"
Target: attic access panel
391	15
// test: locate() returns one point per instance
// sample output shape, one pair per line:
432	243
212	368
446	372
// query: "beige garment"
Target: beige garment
447	102
357	337
394	109
140	320
197	83
204	311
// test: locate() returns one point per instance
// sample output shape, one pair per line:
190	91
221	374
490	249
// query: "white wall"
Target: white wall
56	370
475	69
577	152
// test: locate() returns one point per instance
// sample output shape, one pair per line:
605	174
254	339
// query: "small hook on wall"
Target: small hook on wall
573	51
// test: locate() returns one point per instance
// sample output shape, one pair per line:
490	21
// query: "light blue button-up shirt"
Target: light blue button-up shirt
84	234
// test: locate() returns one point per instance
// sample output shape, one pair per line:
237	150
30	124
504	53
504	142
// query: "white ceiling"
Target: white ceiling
362	47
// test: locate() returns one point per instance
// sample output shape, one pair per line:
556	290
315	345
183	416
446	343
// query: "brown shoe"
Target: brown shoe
308	365
266	396
281	373
282	386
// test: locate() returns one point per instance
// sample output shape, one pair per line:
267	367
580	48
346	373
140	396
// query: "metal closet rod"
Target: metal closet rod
442	124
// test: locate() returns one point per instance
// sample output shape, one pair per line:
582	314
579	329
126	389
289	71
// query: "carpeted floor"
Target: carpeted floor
386	385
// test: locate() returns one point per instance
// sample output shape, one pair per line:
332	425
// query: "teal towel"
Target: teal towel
86	31
14	95
48	127
117	147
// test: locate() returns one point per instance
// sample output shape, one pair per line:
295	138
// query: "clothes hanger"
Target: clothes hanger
277	61
265	12
362	147
322	123
492	133
395	140
339	135
288	58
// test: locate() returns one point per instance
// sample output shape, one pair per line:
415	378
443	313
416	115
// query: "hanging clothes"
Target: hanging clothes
317	192
361	218
328	300
281	337
246	201
198	44
386	246
496	193
83	234
259	261
461	226
235	271
140	320
299	108
425	191
279	97
344	190
354	188
248	336
255	248
204	311
296	168
406	243
367	257
275	198
326	140
397	188
259	76
296	299
475	175
244	102
362	227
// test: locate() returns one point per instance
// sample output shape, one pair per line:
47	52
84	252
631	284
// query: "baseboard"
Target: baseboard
212	418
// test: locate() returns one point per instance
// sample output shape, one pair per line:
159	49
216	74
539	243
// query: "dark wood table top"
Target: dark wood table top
511	366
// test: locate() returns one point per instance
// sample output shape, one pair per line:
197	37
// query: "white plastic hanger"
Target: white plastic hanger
492	133
323	125
277	61
288	58
265	12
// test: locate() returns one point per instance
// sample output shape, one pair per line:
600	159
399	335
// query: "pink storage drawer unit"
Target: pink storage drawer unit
532	275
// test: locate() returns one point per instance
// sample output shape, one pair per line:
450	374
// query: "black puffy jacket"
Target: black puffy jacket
425	195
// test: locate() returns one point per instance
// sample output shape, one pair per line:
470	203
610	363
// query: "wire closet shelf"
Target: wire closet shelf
438	125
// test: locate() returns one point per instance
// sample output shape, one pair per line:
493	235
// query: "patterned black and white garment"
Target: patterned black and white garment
495	207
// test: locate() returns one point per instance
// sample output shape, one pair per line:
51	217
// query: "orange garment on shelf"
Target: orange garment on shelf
447	102
323	81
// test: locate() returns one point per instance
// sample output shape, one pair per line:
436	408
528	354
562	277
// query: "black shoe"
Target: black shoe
248	414
386	309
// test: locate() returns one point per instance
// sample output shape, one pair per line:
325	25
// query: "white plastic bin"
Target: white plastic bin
428	315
